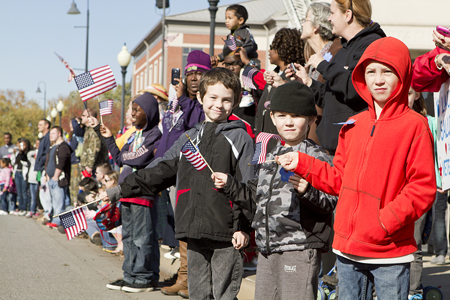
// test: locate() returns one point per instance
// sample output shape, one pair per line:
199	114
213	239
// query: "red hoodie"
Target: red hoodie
383	169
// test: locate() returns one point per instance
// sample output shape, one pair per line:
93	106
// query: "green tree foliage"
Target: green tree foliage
18	116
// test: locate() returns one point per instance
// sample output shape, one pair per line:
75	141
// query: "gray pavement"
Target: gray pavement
37	262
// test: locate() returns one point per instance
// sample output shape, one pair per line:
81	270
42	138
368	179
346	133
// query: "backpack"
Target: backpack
108	217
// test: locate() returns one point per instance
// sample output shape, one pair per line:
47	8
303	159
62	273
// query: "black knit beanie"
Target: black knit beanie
294	97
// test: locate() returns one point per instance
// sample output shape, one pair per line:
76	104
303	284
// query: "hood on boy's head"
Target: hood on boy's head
77	129
149	105
394	53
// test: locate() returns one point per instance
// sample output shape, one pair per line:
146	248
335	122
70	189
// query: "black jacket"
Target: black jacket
244	38
337	96
201	211
62	159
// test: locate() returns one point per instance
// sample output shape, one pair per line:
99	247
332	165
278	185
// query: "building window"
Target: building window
185	55
142	80
160	70
155	70
137	84
150	74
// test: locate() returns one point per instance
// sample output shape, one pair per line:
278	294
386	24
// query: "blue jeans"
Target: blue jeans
22	190
140	243
46	199
59	195
11	199
33	196
439	228
108	240
356	280
4	199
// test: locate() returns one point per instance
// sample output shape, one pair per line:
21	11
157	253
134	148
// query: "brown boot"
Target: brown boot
184	294
182	283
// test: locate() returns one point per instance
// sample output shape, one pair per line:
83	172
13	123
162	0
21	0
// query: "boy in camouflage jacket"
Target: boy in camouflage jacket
291	218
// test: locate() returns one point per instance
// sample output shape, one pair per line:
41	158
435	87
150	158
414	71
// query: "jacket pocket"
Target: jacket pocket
344	210
367	224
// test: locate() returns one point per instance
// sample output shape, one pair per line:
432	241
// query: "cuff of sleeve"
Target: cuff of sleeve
321	67
114	194
304	165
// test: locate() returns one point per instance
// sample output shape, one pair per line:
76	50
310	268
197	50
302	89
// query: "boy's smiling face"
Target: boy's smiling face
217	103
381	80
231	20
291	127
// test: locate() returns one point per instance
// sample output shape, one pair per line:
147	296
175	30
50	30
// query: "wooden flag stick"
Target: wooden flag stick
97	200
101	119
270	160
199	153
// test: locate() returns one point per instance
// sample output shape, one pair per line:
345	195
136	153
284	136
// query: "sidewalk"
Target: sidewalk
38	262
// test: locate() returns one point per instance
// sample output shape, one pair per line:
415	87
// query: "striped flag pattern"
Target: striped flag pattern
261	147
193	156
247	77
72	72
231	43
95	82
106	107
74	222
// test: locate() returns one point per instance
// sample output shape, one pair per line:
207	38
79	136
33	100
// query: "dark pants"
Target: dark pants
439	227
140	243
213	266
22	190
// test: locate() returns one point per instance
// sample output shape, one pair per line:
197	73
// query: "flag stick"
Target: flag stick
77	208
199	153
270	160
101	119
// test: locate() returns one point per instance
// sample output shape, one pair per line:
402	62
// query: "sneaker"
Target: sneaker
116	285
415	297
96	239
12	212
438	260
21	213
37	215
45	221
29	214
3	213
249	266
140	287
172	254
61	229
52	225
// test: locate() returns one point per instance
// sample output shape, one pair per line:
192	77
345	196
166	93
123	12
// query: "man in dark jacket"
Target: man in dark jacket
44	128
57	169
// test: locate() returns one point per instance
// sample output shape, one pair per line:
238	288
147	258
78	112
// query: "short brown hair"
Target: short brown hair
59	129
361	10
224	76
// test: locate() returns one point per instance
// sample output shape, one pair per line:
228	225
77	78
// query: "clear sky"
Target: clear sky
30	30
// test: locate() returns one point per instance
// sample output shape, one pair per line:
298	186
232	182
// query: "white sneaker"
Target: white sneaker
438	260
3	213
21	213
12	212
29	214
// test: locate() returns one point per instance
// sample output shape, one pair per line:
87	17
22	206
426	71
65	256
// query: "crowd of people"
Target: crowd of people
347	178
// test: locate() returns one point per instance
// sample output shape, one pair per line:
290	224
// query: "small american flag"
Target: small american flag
193	156
72	72
95	82
74	222
231	43
247	77
261	147
106	107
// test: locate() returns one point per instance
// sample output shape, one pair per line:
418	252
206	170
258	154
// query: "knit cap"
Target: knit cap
294	97
197	61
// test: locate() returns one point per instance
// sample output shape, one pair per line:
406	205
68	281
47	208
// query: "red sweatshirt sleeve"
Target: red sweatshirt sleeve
426	76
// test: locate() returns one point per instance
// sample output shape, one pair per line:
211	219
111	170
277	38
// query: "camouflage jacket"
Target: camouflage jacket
283	219
94	152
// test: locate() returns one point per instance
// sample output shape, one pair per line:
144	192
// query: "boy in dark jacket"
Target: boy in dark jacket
383	173
203	217
139	214
292	219
235	17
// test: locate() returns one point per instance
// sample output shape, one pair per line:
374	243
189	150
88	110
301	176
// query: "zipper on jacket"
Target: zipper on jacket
267	205
373	128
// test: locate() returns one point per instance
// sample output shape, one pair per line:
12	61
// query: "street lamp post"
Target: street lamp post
45	94
74	11
123	58
54	113
59	108
212	25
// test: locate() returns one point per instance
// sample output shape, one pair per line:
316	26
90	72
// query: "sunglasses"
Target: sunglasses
107	179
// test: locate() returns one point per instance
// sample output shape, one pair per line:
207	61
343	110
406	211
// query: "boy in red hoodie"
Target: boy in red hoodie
384	175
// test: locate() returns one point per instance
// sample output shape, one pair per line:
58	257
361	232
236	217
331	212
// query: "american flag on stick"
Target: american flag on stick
231	43
261	147
194	156
72	72
247	77
95	82
74	222
106	107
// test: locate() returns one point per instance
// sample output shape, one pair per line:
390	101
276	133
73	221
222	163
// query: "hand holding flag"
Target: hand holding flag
231	43
193	155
